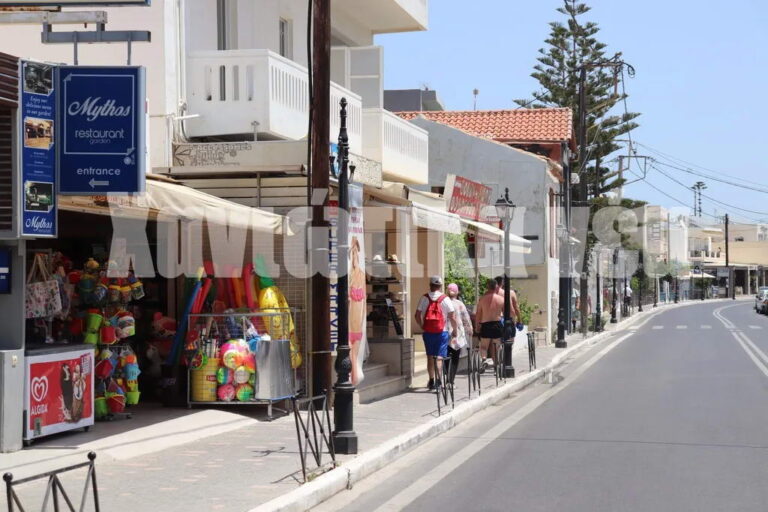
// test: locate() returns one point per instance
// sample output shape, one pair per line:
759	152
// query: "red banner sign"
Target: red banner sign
466	198
59	394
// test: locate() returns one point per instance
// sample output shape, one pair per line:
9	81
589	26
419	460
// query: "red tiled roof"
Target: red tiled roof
522	125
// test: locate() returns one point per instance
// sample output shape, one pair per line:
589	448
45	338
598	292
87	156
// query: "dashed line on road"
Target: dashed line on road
706	327
755	327
657	327
682	327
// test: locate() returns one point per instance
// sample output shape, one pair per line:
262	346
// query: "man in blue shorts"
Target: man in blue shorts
436	317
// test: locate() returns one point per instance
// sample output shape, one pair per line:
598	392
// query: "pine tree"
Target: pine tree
570	45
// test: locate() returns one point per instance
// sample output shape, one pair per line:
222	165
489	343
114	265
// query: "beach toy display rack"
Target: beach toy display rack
241	358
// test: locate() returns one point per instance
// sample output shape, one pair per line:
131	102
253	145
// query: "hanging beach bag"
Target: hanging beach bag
43	295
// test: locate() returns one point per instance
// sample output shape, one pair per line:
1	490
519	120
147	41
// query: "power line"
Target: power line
678	162
709	197
713	178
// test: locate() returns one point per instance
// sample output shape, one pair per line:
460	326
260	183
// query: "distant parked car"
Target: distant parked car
761	301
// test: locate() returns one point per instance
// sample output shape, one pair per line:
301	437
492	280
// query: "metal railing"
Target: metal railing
55	490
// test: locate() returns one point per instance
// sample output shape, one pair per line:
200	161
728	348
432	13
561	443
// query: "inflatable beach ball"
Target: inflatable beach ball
224	375
244	392
226	392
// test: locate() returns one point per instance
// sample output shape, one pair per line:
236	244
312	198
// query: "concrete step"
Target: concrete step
375	371
381	387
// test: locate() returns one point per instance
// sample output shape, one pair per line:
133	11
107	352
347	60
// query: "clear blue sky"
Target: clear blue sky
701	83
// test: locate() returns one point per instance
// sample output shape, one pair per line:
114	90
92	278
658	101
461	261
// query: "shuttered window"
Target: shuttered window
9	98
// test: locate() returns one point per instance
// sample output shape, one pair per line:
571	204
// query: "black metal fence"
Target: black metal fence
55	490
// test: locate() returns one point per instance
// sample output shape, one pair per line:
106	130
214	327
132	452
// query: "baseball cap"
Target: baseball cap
453	287
436	280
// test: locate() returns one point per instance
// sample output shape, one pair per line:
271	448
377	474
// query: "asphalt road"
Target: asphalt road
671	415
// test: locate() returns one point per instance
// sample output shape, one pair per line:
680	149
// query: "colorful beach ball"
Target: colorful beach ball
250	363
224	375
252	380
242	375
226	392
244	392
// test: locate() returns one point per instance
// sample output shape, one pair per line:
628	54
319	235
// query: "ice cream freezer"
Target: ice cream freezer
58	389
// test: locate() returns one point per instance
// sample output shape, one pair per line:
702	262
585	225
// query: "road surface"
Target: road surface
670	415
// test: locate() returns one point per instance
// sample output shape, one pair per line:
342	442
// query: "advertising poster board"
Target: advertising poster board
38	151
102	145
58	393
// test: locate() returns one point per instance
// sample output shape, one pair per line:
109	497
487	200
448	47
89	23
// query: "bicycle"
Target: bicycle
443	384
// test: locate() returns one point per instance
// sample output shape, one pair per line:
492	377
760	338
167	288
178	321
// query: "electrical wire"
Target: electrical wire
678	162
729	206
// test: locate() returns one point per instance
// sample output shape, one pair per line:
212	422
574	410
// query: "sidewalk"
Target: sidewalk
235	462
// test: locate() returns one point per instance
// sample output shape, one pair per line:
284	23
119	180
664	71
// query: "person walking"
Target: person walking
436	317
514	305
488	315
465	331
627	299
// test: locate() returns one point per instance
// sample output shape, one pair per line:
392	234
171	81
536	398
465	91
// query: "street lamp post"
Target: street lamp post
564	299
598	295
344	436
641	276
655	289
677	289
505	208
613	284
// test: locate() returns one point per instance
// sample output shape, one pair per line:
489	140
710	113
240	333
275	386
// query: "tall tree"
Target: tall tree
573	43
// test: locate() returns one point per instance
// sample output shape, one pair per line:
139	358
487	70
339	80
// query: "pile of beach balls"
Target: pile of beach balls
236	377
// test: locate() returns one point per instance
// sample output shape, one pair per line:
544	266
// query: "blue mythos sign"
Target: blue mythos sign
102	146
38	152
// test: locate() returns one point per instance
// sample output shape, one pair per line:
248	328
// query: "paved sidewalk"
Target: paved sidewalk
241	468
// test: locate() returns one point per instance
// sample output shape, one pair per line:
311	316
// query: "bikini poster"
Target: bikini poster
357	287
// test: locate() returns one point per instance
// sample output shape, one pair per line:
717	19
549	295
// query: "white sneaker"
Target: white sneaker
489	362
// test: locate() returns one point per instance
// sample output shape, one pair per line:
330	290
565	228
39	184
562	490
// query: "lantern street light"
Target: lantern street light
505	209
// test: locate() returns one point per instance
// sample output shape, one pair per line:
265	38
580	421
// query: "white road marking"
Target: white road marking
682	327
744	341
706	326
755	327
452	463
657	327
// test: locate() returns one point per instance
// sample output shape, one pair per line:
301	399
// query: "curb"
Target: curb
345	476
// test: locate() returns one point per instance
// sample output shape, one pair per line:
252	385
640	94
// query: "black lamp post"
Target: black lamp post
613	285
655	289
625	309
598	294
677	290
564	299
504	209
344	436
641	276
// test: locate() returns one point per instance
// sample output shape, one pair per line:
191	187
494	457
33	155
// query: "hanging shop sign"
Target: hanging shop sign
5	270
466	198
66	3
58	394
102	146
38	151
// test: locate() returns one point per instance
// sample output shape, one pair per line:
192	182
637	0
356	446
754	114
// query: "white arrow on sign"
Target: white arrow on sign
96	183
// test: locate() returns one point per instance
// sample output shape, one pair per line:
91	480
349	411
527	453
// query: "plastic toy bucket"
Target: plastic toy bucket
100	407
203	382
108	335
132	397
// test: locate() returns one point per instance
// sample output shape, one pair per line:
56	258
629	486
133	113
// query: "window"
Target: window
286	40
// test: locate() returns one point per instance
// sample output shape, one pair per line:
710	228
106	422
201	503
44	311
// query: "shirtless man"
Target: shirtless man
514	306
488	316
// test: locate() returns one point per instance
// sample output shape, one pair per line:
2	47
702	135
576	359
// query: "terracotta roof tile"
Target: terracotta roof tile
521	125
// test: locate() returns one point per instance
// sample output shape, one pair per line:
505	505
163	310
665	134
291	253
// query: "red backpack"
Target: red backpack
434	321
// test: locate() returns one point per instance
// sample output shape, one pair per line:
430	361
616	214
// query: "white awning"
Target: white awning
165	199
517	244
435	220
691	275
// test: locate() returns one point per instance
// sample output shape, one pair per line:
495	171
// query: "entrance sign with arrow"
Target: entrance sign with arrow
102	119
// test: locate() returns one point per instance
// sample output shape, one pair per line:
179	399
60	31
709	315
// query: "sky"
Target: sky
700	85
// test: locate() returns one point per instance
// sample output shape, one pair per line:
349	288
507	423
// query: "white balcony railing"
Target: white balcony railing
401	147
237	91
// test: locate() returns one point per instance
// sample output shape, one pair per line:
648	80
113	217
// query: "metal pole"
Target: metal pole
319	196
641	276
582	134
344	436
509	327
598	285
613	285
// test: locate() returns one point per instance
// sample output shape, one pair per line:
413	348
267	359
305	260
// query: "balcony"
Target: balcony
238	91
401	147
387	16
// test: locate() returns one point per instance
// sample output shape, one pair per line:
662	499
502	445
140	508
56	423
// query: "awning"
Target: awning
696	276
517	245
166	199
435	220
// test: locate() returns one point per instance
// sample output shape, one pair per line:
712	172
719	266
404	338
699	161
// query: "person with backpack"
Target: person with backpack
436	316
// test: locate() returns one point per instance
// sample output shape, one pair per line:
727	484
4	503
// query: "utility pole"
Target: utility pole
598	287
730	290
320	169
